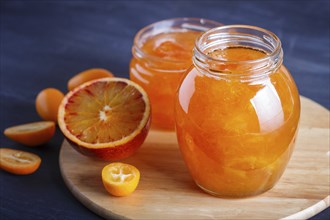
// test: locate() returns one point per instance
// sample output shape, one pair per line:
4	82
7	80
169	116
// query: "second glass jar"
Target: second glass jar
161	55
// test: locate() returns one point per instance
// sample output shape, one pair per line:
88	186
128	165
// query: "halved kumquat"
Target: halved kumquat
31	134
120	179
18	162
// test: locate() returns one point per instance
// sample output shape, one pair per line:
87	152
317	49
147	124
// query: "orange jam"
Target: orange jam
236	132
160	79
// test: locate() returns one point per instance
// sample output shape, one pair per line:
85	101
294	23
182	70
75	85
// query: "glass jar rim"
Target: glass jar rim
267	56
139	34
265	65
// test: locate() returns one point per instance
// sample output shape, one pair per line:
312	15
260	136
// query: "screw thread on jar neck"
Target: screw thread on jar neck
243	36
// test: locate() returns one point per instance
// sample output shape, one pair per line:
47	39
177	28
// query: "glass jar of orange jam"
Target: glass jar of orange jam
162	52
237	111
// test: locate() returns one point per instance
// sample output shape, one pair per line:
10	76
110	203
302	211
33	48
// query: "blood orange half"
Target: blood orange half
106	118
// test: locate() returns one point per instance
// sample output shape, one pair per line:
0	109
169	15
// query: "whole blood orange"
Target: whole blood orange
106	118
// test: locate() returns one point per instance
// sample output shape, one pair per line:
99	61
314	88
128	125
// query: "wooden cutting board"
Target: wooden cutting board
166	191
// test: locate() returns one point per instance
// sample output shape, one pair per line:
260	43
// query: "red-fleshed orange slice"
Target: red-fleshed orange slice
106	118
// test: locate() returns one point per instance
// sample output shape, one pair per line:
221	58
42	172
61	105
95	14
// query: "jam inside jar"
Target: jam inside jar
237	112
161	55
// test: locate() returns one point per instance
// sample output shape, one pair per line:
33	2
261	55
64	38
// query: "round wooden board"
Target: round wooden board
166	191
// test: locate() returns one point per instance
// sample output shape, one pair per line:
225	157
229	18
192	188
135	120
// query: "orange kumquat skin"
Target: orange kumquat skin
47	103
237	137
120	179
18	162
88	75
31	134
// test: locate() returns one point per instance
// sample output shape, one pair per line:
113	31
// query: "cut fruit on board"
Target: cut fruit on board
106	118
166	190
120	179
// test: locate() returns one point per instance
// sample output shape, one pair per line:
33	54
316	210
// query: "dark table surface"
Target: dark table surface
44	43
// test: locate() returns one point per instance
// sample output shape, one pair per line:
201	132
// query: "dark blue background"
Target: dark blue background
44	43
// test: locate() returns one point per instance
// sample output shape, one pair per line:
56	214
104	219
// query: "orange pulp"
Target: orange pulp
171	55
236	137
120	179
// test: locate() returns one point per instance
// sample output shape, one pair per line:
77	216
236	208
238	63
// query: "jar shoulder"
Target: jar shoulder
280	83
265	103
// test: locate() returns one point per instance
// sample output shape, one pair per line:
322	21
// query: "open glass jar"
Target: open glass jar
161	55
237	112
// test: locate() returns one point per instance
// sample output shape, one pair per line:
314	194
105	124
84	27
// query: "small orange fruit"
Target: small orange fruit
31	134
120	179
47	103
88	75
18	162
106	118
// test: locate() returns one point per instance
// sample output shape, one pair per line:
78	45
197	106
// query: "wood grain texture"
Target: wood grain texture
166	191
